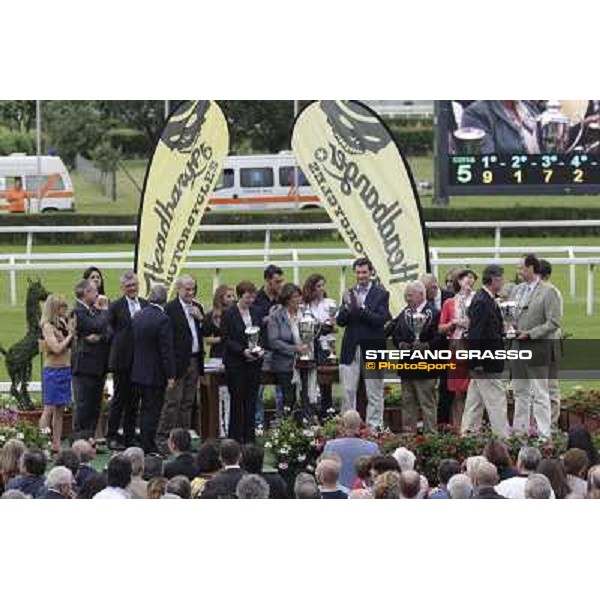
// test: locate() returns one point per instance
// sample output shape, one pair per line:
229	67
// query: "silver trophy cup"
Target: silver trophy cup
418	321
508	308
307	327
328	341
553	129
252	333
468	140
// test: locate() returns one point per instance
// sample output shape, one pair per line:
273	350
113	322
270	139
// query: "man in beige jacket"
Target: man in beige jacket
538	318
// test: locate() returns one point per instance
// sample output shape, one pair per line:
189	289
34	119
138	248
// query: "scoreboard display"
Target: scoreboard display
517	147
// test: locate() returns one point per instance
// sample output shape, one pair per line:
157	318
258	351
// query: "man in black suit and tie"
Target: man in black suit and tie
184	463
364	313
88	358
186	319
486	332
153	363
125	403
224	483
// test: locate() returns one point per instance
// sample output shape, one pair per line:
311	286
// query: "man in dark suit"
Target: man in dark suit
153	363
186	319
364	313
180	444
125	402
89	357
486	331
418	387
223	484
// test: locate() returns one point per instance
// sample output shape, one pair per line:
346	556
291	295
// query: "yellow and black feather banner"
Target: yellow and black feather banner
180	178
354	165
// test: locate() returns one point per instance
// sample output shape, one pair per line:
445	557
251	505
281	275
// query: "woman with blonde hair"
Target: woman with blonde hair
57	334
10	461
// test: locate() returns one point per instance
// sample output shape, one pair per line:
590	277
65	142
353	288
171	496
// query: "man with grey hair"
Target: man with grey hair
528	460
59	484
153	367
85	453
416	328
460	487
485	478
406	459
88	358
306	488
252	487
138	488
124	406
538	487
186	316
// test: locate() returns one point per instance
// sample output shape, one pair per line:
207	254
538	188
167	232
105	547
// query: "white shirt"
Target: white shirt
113	493
421	306
192	325
134	305
361	294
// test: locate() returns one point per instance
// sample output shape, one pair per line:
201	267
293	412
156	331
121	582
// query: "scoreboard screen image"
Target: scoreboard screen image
517	147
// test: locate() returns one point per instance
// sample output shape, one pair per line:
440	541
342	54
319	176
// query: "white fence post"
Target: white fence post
216	279
497	240
267	244
590	290
572	276
13	282
342	283
29	246
296	268
436	268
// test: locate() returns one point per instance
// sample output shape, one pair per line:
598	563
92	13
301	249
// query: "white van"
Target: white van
53	182
262	182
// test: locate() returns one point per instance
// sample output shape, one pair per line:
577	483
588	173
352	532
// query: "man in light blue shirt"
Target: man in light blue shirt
350	447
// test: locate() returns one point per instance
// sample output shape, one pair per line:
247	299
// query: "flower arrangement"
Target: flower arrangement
11	426
582	400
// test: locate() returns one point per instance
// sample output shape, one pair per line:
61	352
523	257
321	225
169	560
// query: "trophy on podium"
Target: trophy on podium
252	333
508	308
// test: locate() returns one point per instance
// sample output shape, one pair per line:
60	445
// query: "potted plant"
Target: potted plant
581	406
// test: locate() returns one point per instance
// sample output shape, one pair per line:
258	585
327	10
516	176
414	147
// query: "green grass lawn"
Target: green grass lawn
12	319
90	199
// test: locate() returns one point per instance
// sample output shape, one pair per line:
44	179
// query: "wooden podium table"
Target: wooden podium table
207	421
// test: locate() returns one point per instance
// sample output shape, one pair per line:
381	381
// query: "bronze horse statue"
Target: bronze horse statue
19	357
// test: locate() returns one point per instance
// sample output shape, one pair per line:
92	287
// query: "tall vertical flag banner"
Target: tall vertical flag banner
363	180
180	178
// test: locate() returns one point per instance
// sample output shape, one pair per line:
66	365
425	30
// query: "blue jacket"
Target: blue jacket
365	323
32	485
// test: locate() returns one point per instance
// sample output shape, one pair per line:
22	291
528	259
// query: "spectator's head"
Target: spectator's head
314	288
55	308
18	183
351	423
253	457
431	286
460	487
493	278
496	452
229	453
576	462
153	467
529	267
93	484
362	466
84	451
129	284
118	472
537	487
10	459
465	280
328	473
414	294
579	437
450	280
410	485
60	479
223	297
180	486
207	458
486	475
545	269
158	294
594	482
305	487
405	458
363	270
94	275
471	465
186	288
273	277
252	487
290	296
246	293
15	495
528	459
68	458
381	464
361	494
387	486
554	470
156	488
446	469
34	462
180	440
86	292
135	456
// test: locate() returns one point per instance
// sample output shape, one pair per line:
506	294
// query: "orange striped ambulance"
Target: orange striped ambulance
262	182
52	183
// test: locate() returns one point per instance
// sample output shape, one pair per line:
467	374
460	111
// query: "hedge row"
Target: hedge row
492	215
